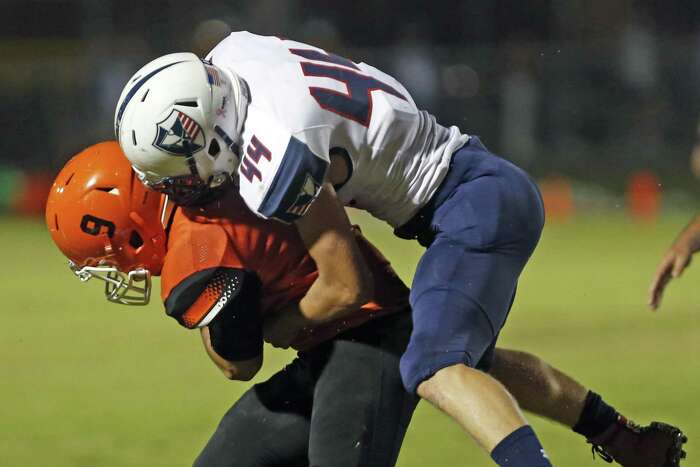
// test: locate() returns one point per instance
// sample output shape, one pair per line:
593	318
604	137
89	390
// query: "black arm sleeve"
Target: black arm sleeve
228	301
236	333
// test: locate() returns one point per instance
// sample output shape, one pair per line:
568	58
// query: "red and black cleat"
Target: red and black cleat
628	444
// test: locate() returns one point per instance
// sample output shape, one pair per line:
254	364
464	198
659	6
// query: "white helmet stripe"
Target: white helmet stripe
133	91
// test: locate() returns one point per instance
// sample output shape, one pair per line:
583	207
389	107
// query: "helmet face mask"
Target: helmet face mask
125	288
179	121
191	190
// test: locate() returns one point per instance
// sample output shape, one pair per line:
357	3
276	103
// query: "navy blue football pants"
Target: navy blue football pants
480	229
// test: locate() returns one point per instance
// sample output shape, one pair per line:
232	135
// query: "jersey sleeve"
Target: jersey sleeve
281	172
204	282
228	301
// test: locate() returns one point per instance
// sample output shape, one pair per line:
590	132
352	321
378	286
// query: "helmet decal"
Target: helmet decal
179	134
213	76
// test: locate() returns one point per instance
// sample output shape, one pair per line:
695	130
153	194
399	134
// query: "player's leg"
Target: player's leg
485	232
544	390
361	410
452	330
478	402
267	427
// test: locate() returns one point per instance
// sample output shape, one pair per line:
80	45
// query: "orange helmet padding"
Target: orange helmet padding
98	212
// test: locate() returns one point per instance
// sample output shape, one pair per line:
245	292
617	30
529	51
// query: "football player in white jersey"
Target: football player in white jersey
302	132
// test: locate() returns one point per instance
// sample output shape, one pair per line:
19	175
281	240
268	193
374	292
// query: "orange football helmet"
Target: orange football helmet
108	224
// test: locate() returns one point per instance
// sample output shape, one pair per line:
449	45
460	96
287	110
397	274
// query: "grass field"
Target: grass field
87	383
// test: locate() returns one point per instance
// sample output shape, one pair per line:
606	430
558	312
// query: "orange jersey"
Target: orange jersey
225	235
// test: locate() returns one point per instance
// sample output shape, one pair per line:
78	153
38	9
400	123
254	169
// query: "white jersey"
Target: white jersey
305	103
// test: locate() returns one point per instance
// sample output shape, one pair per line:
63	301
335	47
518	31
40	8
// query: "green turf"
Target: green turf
86	383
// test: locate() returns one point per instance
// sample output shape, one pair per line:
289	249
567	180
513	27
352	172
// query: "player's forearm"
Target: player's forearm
344	284
344	281
328	300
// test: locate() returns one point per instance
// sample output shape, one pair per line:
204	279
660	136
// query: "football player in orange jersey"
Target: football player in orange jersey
224	270
340	402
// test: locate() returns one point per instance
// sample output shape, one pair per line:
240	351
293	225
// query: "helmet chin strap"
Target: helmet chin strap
231	120
227	124
109	250
242	92
151	230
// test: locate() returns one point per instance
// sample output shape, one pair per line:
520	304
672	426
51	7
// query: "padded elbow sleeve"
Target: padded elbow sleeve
228	301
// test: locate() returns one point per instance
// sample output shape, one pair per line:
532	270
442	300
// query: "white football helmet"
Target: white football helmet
179	121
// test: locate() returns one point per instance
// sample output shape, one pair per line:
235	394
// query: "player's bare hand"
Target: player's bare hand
281	329
671	266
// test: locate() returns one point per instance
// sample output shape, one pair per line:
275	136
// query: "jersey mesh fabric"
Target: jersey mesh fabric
216	293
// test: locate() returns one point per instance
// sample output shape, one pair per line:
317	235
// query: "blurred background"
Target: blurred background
598	99
592	90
